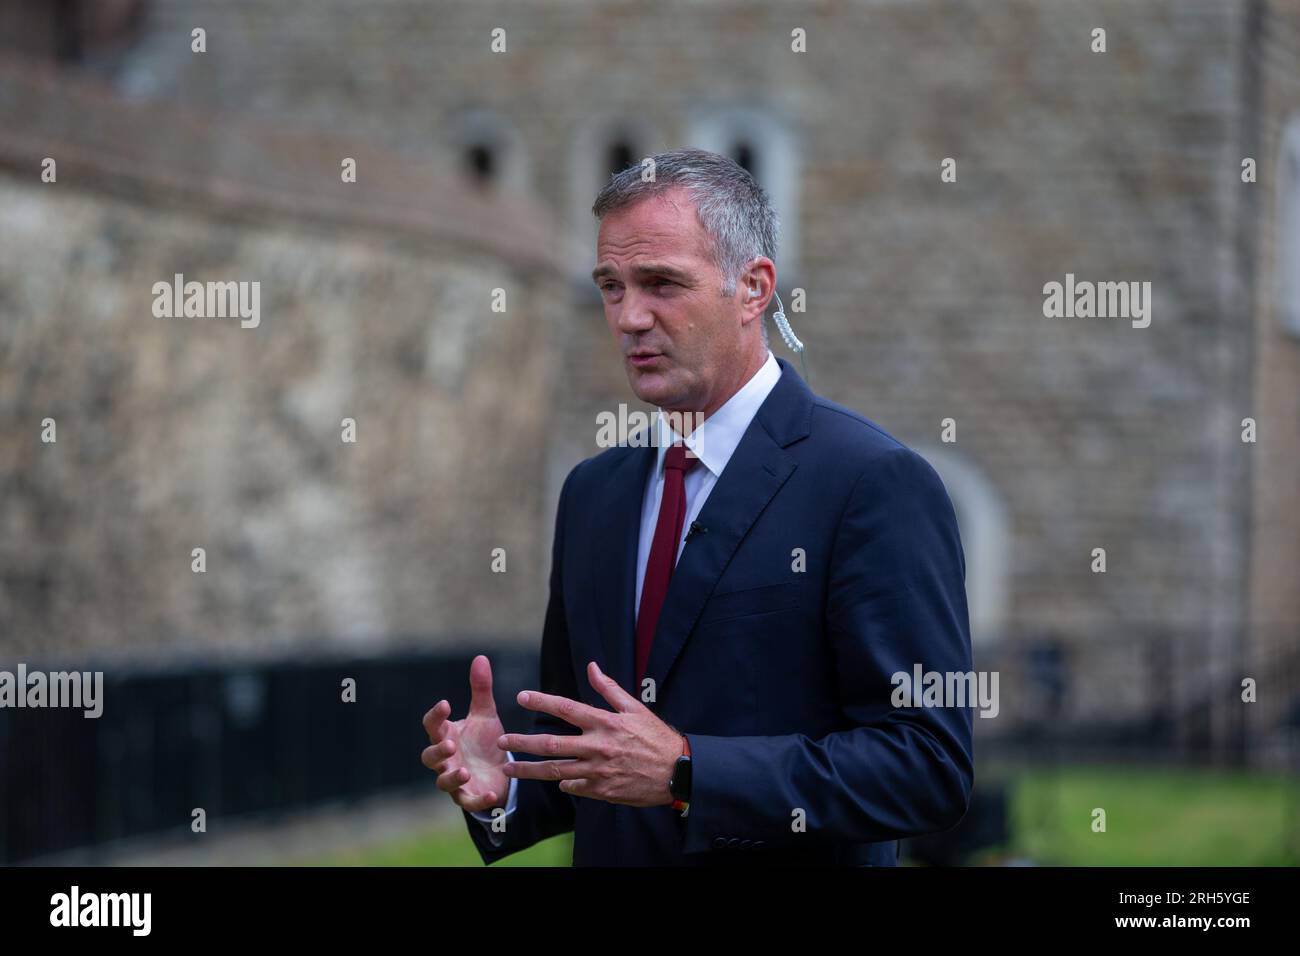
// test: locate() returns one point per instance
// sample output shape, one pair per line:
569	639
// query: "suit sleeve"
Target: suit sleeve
542	809
895	598
512	802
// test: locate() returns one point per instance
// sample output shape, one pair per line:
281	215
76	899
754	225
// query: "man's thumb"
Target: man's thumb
480	687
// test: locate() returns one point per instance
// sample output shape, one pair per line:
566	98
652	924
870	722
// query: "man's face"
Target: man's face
681	340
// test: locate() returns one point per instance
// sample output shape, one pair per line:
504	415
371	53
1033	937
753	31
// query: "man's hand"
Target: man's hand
623	757
464	752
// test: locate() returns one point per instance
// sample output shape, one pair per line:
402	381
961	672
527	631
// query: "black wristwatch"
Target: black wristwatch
680	785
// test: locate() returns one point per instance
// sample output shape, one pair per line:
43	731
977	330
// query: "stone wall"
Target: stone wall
924	298
183	433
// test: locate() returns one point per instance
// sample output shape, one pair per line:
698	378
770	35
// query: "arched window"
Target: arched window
489	151
621	156
982	523
481	162
762	144
601	146
743	153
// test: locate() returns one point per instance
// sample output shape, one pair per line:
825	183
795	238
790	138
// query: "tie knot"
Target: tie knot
678	459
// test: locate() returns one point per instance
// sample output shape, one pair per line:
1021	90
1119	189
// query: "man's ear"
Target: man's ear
757	283
751	296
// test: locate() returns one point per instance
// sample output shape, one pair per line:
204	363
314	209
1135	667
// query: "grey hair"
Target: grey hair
733	209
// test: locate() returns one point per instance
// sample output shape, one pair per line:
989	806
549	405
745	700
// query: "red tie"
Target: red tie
663	552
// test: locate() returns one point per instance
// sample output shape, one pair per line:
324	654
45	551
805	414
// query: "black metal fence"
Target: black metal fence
1148	692
230	740
245	739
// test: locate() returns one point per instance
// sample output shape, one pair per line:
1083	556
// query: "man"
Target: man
723	697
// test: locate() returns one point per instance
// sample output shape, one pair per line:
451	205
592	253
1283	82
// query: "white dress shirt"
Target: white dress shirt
714	442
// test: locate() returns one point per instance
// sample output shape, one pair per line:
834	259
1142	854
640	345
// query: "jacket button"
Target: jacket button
746	844
719	843
733	842
757	844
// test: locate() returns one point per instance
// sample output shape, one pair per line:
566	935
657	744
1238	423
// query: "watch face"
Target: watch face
680	785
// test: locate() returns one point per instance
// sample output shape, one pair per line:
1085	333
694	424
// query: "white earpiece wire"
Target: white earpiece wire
787	334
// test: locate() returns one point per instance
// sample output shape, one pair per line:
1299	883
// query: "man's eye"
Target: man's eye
664	281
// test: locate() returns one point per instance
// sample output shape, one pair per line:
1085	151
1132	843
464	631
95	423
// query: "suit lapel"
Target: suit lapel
752	477
617	524
754	474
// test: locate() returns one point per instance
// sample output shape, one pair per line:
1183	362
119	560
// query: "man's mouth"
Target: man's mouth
643	358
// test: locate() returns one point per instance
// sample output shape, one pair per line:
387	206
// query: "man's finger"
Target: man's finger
475	804
548	769
580	787
453	779
549	745
570	711
607	687
435	756
435	721
481	701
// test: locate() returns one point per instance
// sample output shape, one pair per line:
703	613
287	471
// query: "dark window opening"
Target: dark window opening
481	163
620	157
743	154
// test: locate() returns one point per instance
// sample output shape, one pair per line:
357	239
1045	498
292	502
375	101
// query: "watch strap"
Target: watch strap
678	804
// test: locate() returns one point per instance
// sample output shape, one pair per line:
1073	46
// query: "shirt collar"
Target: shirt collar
716	439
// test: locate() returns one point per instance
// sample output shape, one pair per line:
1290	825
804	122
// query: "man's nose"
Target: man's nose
635	315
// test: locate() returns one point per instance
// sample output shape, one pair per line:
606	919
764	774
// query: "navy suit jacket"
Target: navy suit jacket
778	673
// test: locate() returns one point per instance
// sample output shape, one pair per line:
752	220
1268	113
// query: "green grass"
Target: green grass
1160	817
448	846
1154	817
